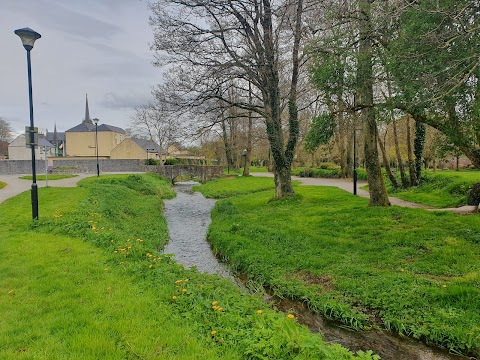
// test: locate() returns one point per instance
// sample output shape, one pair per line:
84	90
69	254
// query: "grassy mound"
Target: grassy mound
413	271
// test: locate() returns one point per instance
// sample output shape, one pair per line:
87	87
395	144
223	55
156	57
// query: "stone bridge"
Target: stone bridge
202	172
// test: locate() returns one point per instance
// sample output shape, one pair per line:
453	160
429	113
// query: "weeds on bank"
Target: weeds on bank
2	184
410	270
121	298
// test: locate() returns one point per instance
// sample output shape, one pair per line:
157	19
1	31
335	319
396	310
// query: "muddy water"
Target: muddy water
188	218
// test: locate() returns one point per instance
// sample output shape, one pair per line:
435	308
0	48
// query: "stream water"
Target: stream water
188	218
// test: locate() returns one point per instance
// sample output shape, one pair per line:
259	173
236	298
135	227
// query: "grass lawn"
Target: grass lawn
234	185
441	189
409	270
50	177
86	282
2	184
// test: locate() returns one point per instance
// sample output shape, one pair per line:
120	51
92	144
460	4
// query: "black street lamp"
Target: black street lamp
28	37
354	161
95	120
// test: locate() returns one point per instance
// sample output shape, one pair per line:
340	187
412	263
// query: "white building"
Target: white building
17	149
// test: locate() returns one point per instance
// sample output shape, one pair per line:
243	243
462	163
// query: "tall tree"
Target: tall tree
365	101
238	39
436	68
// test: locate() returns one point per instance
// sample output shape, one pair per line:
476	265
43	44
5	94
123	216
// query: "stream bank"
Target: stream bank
188	218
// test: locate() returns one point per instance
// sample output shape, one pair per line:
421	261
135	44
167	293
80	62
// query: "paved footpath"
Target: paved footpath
15	185
347	185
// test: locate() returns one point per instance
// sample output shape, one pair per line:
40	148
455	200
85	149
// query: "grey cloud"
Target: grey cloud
57	16
125	101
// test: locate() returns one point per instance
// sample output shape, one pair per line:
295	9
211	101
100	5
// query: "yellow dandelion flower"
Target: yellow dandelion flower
214	307
213	332
150	266
186	280
259	312
184	291
219	308
291	316
174	297
214	302
178	281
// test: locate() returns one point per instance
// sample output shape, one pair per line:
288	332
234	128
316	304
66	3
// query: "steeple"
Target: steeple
87	113
55	132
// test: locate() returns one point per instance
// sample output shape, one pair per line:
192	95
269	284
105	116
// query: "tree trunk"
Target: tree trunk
418	146
386	163
411	163
378	192
246	168
226	144
401	164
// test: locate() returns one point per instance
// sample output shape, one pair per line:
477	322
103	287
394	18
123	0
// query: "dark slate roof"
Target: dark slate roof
105	127
44	142
88	127
83	127
60	136
147	144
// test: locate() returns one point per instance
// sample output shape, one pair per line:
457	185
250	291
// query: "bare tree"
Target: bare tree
248	40
6	132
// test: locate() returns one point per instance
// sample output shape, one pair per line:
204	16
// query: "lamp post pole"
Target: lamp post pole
354	161
96	144
28	37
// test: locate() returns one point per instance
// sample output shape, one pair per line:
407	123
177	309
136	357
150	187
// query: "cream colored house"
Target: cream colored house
17	149
133	148
80	140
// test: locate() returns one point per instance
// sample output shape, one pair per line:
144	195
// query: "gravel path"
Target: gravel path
347	185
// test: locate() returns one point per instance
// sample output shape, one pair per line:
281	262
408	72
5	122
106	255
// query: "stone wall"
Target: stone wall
21	167
77	166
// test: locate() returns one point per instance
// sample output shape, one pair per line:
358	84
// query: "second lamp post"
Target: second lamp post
96	144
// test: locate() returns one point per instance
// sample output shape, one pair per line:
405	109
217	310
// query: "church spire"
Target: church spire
87	113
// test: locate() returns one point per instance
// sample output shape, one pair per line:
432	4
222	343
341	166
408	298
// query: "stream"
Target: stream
188	218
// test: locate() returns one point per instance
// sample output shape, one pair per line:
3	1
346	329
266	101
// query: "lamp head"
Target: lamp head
244	152
28	37
95	120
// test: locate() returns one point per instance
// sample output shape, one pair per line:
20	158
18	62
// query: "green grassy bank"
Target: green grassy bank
86	282
441	189
409	270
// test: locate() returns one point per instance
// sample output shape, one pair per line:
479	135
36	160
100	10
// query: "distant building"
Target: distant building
133	148
58	141
176	151
80	140
18	150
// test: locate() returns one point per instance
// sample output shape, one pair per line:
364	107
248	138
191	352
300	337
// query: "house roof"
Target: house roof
42	141
83	127
50	135
146	144
89	127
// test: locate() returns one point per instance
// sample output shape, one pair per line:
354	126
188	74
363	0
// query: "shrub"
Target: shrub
153	162
171	162
474	195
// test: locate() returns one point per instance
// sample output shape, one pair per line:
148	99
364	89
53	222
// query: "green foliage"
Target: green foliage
415	270
153	162
171	162
50	177
94	286
2	184
327	170
320	132
474	195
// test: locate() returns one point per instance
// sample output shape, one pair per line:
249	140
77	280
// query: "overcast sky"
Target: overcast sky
99	47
